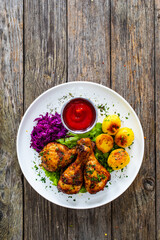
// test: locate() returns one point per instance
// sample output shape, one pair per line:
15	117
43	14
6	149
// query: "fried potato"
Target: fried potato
104	142
111	124
124	137
118	159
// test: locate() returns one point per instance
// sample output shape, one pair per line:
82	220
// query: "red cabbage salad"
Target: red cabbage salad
48	129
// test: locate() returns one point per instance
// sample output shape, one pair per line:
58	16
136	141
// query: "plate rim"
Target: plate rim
45	93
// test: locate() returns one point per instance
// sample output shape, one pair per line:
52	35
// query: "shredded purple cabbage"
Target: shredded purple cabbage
48	129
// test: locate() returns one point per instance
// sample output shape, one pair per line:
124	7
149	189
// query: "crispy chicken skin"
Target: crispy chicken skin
95	175
56	156
71	179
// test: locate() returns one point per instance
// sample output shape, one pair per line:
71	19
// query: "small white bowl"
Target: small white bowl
79	131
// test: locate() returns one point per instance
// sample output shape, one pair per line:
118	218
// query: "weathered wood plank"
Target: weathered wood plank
11	111
132	67
45	66
89	60
45	46
89	41
90	224
157	98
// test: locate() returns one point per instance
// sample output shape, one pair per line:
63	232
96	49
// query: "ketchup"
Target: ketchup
79	114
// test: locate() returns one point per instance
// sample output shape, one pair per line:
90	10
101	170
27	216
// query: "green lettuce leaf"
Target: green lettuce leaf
71	139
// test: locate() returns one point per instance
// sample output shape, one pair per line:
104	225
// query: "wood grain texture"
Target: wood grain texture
89	60
157	119
89	224
132	73
45	46
73	40
89	41
45	66
11	110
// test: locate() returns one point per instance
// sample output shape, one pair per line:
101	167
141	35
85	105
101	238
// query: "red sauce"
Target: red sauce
79	114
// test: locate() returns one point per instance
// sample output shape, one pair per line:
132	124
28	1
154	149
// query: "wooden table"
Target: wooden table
48	42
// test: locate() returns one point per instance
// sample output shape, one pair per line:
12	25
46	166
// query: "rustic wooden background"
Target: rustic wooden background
48	42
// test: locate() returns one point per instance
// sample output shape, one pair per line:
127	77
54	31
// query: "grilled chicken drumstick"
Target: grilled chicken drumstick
71	179
55	156
95	175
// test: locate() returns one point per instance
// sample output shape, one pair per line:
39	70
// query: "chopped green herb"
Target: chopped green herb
94	179
72	156
102	107
102	176
70	94
89	171
43	179
35	166
99	178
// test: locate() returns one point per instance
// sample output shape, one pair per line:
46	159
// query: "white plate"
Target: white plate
52	100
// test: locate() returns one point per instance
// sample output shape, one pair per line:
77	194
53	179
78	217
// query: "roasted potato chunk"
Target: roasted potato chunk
124	137
111	124
118	159
104	142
